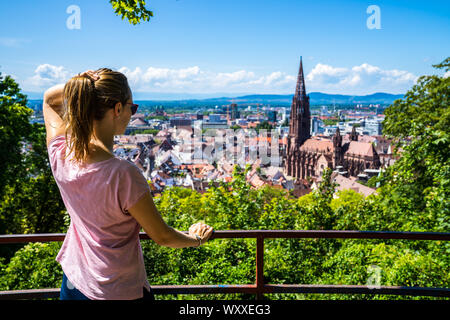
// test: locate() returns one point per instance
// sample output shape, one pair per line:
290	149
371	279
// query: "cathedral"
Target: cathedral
307	156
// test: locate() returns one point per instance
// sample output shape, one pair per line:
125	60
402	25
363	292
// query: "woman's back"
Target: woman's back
108	199
101	254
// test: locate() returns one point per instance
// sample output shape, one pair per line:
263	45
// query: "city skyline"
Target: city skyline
203	48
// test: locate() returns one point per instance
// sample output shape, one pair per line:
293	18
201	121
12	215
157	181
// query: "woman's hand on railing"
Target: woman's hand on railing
201	231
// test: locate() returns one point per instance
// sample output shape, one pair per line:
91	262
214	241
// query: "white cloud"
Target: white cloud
132	76
277	79
362	79
154	78
45	76
231	78
194	79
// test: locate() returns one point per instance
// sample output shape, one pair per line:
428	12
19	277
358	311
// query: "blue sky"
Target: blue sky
226	46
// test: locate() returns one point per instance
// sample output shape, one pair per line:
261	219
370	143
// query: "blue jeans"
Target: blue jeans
69	292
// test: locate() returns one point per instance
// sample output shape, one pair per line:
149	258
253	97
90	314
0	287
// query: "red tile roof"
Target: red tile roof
315	145
361	148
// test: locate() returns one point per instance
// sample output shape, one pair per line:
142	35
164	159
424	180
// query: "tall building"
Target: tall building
308	157
234	111
272	116
315	125
299	126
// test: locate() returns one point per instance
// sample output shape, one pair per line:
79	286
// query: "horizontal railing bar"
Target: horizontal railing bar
338	234
30	294
357	289
267	234
39	237
252	289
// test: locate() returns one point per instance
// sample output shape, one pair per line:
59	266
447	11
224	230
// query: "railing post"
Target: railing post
259	267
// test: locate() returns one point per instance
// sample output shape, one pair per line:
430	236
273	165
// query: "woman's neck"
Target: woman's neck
99	146
98	152
103	135
103	140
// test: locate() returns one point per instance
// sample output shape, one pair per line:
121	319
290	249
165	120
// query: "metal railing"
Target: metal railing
259	288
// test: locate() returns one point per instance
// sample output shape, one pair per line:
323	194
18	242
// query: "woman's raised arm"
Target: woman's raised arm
53	111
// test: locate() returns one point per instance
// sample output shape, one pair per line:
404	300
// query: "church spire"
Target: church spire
300	90
338	131
300	118
337	138
299	127
354	134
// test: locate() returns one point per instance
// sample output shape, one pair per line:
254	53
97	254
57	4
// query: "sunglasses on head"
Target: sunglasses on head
134	108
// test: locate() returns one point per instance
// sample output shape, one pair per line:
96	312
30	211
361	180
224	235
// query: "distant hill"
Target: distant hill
321	98
379	97
315	98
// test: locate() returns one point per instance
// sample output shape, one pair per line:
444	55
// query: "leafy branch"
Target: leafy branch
133	10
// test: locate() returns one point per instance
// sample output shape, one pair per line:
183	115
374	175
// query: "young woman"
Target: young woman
107	198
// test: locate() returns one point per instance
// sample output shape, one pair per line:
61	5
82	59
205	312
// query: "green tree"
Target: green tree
330	122
378	263
417	186
30	201
33	266
263	125
347	210
320	215
133	10
14	129
232	261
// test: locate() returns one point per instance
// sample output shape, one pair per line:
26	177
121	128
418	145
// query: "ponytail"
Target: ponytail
79	95
86	100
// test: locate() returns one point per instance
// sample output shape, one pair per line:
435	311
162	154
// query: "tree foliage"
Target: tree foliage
33	266
417	186
132	10
14	128
232	261
30	201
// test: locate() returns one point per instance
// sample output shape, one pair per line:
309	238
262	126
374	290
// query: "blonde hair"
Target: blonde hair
86	100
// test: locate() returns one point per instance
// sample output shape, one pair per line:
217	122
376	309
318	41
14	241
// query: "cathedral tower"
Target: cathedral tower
299	125
338	155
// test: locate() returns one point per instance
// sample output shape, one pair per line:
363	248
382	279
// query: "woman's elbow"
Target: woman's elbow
163	238
53	92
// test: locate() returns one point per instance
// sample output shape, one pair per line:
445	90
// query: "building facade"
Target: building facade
308	157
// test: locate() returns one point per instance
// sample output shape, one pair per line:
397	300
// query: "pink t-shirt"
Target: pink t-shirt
101	254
